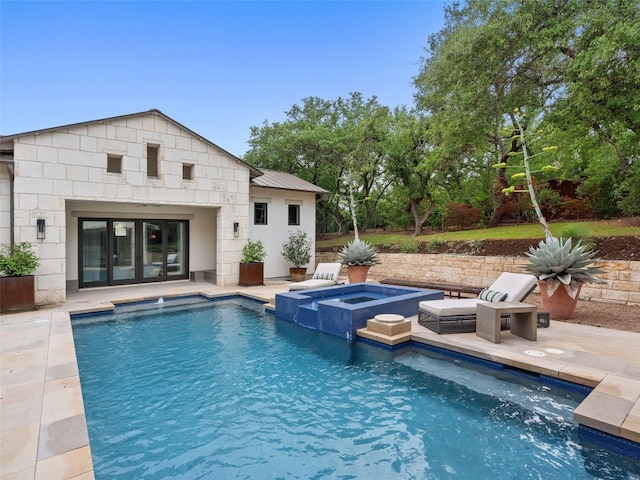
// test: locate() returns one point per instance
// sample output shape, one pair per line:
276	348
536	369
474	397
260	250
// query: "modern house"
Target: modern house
141	198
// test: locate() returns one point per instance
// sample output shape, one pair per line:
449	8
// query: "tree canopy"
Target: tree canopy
571	66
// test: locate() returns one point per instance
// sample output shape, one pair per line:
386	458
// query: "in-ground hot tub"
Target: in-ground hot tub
343	309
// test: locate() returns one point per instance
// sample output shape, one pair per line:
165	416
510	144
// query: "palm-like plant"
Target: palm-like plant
560	262
359	252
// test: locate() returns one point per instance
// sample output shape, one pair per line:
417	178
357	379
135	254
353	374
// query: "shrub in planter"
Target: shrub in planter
297	250
17	285
251	264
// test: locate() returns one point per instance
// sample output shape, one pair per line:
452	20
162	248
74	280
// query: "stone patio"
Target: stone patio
43	427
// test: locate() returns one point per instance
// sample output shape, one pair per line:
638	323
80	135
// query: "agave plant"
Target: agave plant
359	252
560	262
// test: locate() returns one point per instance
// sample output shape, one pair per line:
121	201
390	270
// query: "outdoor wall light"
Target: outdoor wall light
236	229
40	233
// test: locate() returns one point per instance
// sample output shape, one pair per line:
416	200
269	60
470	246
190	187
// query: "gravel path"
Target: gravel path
599	314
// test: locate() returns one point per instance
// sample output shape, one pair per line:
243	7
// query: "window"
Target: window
152	160
114	163
187	171
260	213
294	214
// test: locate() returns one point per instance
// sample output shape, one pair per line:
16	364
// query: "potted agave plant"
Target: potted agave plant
358	256
297	250
252	264
17	284
561	268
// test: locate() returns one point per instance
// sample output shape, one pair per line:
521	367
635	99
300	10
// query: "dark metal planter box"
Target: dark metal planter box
17	293
251	274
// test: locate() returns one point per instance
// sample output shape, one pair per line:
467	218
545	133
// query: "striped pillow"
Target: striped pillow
492	295
323	276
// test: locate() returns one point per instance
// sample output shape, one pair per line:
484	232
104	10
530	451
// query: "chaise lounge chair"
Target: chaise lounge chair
459	315
326	275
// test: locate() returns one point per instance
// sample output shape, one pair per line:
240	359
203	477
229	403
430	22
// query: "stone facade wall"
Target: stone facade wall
57	167
621	280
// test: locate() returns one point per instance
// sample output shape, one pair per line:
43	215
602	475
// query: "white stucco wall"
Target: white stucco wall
62	170
275	233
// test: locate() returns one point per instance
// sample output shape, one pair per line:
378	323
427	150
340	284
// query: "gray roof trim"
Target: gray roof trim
254	171
284	181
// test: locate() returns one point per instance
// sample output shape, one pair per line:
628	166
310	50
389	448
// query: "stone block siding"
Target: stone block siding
70	164
621	278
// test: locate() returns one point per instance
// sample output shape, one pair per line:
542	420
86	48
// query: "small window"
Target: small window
114	163
152	160
187	171
260	214
294	214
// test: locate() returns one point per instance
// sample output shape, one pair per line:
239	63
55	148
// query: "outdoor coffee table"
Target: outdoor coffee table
523	321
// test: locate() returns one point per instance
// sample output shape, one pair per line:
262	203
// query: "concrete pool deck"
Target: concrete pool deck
43	433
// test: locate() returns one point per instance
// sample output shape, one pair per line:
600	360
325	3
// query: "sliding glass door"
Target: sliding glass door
176	245
116	252
93	245
123	268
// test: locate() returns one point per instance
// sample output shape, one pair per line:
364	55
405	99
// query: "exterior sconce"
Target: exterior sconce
40	232
236	229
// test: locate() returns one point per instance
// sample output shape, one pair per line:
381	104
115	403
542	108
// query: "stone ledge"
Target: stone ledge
603	412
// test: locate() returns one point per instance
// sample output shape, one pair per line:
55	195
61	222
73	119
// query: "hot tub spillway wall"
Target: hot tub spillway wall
325	309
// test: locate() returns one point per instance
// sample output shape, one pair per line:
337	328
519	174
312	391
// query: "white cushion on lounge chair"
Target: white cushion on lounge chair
312	283
450	307
516	285
326	275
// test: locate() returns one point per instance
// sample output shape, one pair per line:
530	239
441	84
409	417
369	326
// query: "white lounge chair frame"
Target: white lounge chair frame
326	275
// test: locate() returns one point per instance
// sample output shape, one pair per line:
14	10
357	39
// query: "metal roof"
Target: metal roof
284	181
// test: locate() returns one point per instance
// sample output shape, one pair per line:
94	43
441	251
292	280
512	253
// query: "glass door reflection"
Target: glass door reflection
152	250
123	251
94	251
176	245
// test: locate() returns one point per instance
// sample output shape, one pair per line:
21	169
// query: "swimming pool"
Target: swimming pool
222	390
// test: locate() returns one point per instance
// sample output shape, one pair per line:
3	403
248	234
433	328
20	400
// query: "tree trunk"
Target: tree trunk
418	220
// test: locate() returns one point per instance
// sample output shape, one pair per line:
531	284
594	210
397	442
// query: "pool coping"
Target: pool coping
44	431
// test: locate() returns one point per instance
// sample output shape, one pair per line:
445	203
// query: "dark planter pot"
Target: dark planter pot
298	274
17	294
251	274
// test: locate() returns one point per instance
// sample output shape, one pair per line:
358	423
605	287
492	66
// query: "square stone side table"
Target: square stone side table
523	321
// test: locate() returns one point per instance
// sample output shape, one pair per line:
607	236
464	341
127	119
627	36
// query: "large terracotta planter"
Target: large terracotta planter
357	273
559	305
17	293
298	274
251	274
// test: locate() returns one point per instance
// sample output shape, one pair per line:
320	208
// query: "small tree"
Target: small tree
297	248
462	215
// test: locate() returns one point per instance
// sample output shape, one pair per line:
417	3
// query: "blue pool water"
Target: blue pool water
225	391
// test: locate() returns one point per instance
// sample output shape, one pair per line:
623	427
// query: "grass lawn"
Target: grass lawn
533	231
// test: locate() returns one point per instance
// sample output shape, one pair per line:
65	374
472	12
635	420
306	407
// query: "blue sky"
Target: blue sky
216	67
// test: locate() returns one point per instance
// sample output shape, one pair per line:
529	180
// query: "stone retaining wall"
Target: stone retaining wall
621	280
